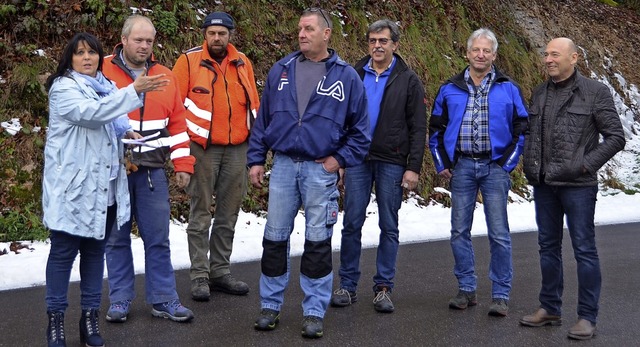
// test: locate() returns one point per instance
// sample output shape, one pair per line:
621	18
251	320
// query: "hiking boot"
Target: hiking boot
228	284
582	330
312	327
342	297
118	311
55	330
463	300
382	301
539	318
172	310
200	289
499	307
89	329
267	320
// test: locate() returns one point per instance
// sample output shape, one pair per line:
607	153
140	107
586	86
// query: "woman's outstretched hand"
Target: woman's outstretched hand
144	83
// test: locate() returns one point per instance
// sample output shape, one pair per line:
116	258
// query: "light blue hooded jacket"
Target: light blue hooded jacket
78	158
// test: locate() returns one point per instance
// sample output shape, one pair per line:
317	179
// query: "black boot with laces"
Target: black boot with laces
89	330
55	330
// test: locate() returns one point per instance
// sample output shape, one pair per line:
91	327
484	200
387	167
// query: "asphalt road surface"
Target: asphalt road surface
424	284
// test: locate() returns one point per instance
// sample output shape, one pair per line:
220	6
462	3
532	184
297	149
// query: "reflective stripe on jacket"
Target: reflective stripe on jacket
163	111
221	99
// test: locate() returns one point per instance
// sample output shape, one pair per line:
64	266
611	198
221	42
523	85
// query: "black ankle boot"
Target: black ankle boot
55	330
89	330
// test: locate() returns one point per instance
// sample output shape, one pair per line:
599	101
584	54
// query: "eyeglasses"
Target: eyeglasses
383	41
317	9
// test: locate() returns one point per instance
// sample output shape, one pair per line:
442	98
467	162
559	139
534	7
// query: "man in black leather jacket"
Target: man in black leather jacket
562	155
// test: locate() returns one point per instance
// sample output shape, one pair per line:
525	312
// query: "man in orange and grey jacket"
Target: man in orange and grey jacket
218	89
162	113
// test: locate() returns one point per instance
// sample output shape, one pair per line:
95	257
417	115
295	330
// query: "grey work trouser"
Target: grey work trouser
219	171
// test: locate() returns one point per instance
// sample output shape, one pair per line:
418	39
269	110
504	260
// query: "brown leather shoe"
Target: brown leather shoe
540	318
582	330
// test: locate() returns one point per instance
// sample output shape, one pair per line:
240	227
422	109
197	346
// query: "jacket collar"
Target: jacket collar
576	80
459	81
578	84
400	67
232	54
333	59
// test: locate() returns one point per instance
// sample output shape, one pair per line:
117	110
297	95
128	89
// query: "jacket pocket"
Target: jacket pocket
239	94
200	90
571	141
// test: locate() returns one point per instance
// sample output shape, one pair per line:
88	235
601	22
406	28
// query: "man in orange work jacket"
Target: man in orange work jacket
163	113
218	88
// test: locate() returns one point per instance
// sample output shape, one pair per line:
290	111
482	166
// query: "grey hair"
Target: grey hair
486	33
132	20
382	24
324	18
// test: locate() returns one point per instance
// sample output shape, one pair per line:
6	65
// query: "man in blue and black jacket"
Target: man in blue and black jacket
398	127
476	138
313	117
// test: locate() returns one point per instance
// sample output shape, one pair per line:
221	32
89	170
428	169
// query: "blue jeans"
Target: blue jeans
358	181
149	191
578	204
64	249
469	176
293	184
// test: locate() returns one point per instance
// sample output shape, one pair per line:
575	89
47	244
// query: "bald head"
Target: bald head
560	58
566	43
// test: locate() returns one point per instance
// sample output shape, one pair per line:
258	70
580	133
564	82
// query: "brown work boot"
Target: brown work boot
540	318
582	330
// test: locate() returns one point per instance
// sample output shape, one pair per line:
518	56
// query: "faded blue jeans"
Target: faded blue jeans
578	204
358	183
293	184
493	182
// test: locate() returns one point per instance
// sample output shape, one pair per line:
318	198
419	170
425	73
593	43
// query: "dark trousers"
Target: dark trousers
578	204
64	249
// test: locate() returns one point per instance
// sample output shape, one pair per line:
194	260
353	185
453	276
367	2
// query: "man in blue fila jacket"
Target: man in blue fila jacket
476	138
313	117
